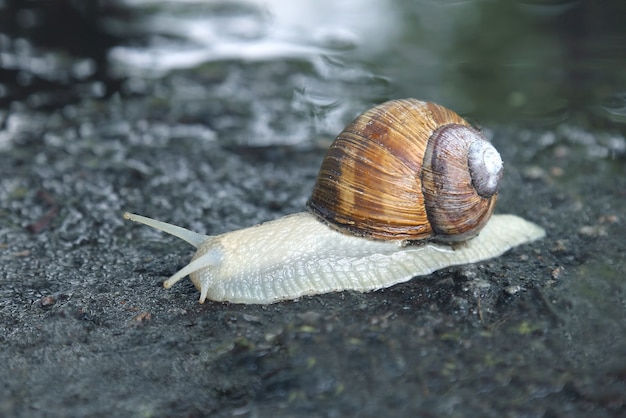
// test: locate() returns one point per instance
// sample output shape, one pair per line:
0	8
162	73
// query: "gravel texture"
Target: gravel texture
87	329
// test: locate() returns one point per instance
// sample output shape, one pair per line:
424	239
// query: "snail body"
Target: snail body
399	190
263	264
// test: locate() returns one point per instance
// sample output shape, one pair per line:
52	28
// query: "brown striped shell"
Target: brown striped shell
408	170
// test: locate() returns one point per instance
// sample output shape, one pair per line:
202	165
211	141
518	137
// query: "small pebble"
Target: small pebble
513	289
534	172
47	301
142	317
556	172
609	219
557	272
560	246
593	231
251	318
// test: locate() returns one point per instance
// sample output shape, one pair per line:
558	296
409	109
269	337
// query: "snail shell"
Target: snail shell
408	170
403	172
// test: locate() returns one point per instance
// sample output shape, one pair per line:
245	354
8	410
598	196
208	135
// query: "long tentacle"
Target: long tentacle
191	237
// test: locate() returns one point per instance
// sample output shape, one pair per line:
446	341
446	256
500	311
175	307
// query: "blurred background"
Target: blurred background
262	72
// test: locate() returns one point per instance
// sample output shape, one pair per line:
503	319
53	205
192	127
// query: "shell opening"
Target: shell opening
485	165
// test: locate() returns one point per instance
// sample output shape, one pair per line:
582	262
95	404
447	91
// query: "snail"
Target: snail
406	189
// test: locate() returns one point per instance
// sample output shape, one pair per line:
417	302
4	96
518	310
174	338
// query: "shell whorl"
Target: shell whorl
456	209
485	167
401	171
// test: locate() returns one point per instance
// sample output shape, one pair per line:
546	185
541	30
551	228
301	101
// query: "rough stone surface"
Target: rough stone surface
86	329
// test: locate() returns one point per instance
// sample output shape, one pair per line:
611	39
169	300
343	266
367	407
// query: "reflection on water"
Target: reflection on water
183	36
308	52
321	60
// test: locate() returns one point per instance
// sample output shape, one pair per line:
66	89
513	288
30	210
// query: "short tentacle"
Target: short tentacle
211	258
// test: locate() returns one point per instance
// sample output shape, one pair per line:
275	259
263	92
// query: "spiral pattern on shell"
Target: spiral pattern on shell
408	170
